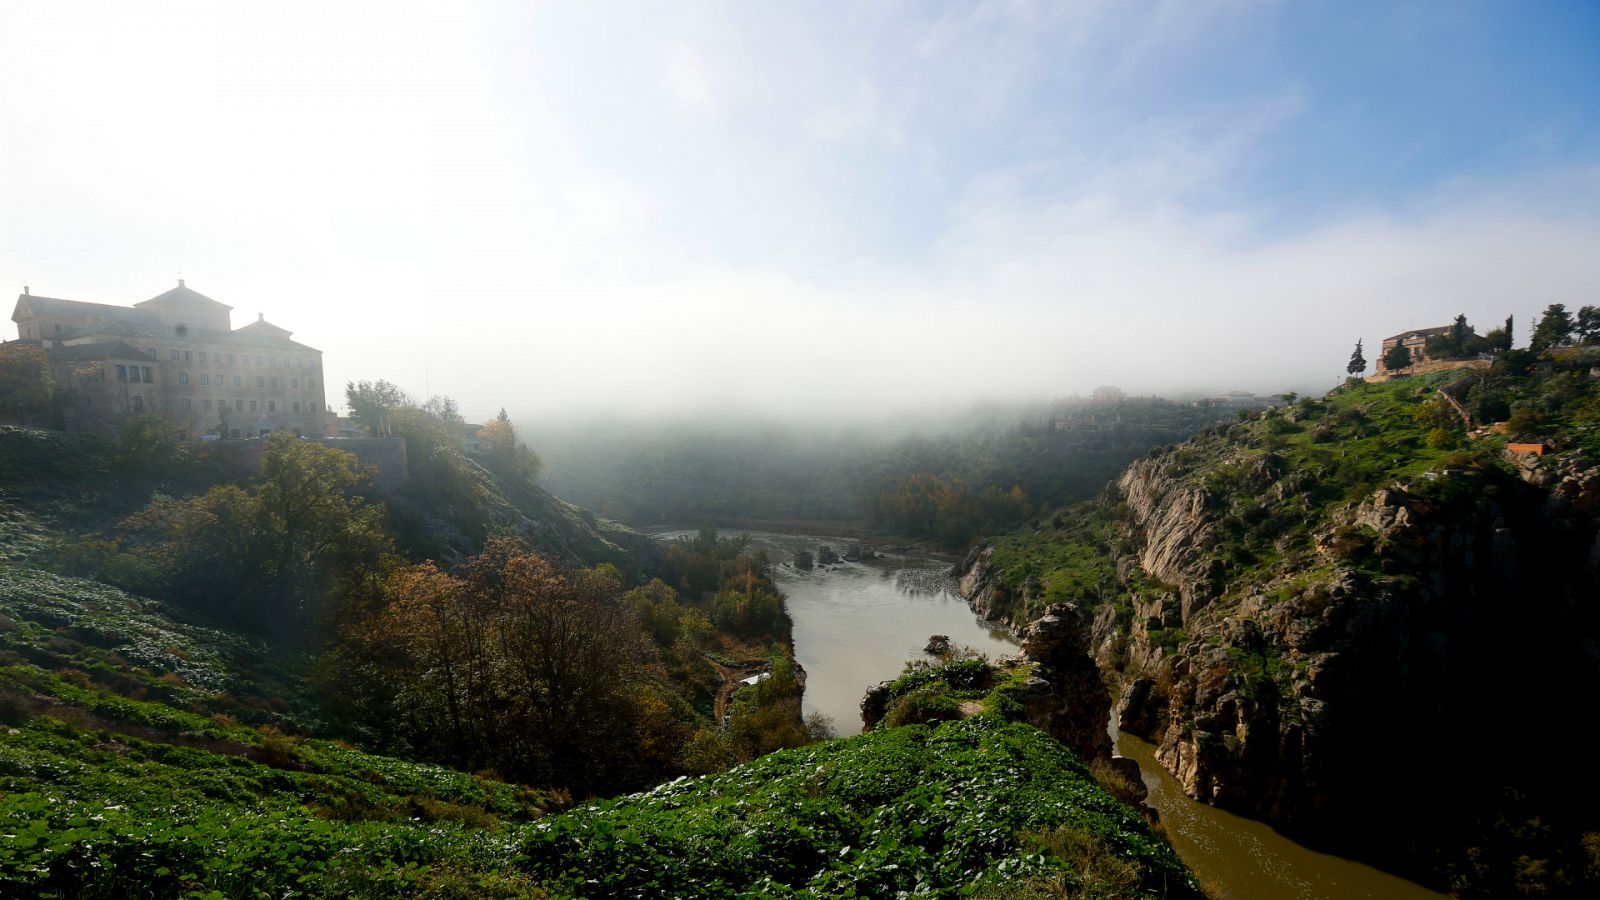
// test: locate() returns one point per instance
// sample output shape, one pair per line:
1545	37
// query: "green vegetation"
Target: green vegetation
975	807
1376	535
26	382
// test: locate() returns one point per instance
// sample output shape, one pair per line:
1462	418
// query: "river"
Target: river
855	624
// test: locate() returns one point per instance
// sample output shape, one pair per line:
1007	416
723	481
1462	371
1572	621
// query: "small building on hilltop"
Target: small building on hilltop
177	354
1415	342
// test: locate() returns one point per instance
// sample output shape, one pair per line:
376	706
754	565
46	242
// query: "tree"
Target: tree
519	663
26	382
1398	357
1588	325
1554	329
1510	334
1358	363
308	521
506	450
371	403
1459	332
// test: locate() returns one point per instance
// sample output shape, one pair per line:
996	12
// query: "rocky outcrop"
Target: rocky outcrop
1054	682
1303	657
1067	698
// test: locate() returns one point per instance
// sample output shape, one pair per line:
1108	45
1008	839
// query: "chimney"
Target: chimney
261	317
180	282
25	291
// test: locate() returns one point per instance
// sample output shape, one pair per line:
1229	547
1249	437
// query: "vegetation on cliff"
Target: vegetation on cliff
1286	593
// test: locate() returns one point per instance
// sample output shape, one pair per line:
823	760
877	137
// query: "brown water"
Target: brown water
855	624
1243	859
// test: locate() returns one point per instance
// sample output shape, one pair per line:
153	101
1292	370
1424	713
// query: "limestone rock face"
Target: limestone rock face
1173	517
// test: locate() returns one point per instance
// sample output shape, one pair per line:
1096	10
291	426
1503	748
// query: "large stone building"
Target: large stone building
177	354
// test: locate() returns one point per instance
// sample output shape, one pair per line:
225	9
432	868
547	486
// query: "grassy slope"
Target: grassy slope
103	794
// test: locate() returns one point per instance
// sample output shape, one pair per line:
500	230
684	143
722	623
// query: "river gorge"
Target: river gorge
856	624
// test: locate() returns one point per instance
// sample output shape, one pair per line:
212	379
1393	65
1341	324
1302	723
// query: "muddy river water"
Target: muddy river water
855	624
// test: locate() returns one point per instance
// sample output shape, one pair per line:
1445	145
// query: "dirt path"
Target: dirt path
731	677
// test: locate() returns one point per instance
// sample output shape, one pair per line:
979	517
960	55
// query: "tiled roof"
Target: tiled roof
1420	332
181	296
52	306
125	322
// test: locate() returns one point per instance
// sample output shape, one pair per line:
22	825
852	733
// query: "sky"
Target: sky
809	208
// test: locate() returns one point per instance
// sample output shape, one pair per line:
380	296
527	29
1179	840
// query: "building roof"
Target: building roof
52	306
263	327
140	321
1420	332
181	297
82	352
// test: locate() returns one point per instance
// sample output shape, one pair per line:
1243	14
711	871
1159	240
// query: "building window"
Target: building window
204	378
274	382
297	406
147	378
187	405
206	404
188	356
218	382
294	382
238	406
183	377
237	381
272	406
174	356
230	359
252	406
311	382
138	403
202	356
272	362
297	362
258	360
150	352
261	381
122	373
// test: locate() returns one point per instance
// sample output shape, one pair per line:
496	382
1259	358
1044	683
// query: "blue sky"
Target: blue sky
651	196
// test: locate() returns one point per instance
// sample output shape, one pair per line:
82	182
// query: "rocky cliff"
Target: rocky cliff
1327	623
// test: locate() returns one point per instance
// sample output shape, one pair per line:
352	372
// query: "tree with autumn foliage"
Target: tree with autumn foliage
517	663
508	452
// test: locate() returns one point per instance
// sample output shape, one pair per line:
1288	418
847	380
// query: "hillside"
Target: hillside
54	482
1335	616
141	755
921	478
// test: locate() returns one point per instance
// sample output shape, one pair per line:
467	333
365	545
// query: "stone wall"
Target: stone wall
1432	365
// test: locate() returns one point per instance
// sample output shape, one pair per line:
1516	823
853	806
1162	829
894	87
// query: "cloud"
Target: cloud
686	77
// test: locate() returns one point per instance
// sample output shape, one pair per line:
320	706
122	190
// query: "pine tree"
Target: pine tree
1358	363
